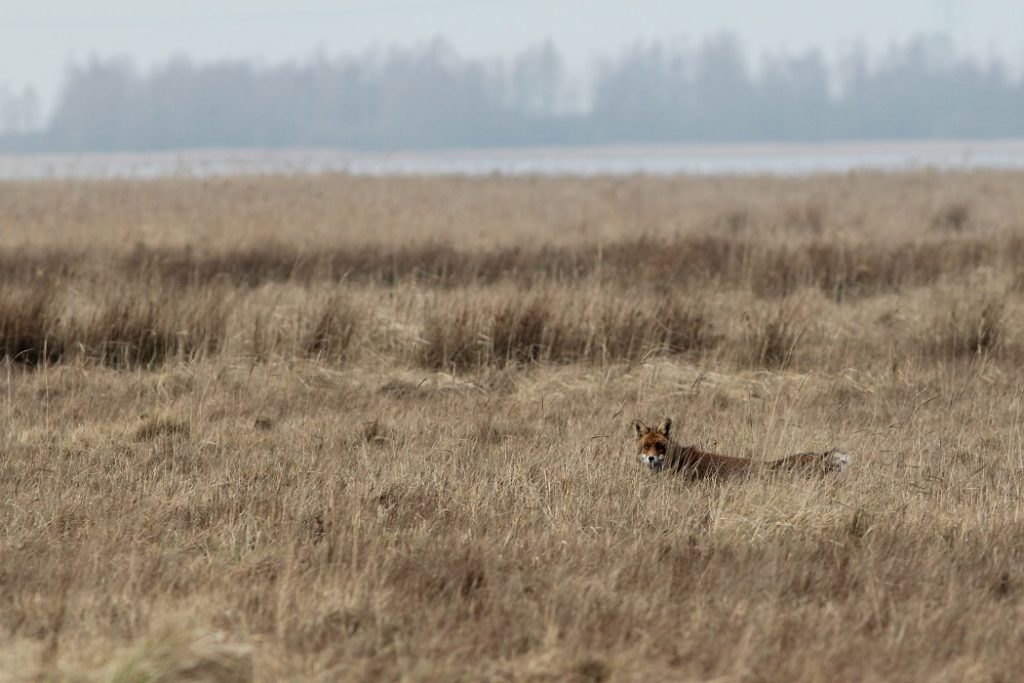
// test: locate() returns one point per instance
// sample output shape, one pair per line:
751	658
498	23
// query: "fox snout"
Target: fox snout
653	460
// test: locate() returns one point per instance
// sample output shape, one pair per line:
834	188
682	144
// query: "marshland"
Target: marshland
331	427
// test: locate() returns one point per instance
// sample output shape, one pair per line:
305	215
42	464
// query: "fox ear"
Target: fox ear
666	426
640	428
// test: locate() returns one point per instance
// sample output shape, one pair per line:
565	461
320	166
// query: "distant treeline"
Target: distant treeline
430	97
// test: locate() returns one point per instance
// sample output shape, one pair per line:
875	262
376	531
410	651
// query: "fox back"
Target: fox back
658	451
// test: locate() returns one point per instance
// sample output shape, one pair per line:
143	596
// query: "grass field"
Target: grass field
331	428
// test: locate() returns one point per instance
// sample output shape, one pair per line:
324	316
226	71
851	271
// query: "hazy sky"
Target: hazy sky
38	40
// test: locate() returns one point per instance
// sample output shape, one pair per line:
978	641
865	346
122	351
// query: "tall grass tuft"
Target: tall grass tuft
524	333
686	326
30	327
333	330
628	332
972	327
771	336
143	331
551	326
451	340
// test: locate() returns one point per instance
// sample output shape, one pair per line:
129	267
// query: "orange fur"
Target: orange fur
658	451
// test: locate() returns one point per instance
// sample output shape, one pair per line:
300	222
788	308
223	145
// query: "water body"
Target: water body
731	159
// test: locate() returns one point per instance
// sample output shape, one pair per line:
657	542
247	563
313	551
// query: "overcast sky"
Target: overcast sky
38	40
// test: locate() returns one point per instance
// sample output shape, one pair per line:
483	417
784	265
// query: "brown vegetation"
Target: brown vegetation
376	429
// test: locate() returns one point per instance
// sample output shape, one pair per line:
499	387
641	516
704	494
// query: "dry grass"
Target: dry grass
242	440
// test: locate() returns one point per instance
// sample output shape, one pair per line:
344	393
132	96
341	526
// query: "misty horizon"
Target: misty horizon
430	96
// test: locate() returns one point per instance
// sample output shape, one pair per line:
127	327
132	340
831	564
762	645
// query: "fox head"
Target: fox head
652	444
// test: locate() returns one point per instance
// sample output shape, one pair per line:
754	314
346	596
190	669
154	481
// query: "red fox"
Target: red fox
658	451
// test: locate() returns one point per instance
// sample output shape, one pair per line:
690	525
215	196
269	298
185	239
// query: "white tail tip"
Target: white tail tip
837	460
